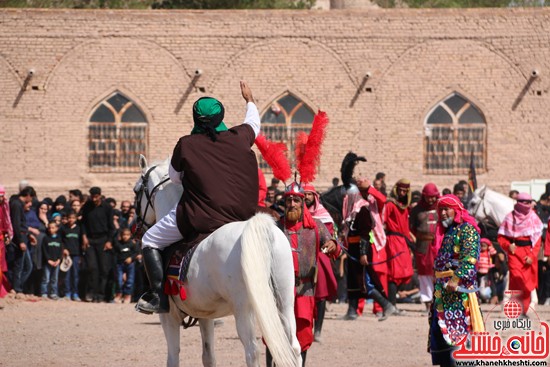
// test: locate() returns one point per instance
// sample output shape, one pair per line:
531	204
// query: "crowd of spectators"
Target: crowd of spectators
76	248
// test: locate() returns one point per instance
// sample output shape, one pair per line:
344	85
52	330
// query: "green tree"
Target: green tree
234	4
474	3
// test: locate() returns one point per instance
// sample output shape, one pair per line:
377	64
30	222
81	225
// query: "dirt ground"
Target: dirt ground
64	333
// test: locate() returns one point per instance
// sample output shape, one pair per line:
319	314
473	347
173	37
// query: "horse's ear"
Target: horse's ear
142	162
481	190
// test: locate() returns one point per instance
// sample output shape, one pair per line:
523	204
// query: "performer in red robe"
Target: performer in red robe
6	233
423	222
376	202
308	237
396	218
520	236
326	287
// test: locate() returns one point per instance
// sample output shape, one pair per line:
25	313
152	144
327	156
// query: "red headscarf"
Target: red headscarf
461	215
429	190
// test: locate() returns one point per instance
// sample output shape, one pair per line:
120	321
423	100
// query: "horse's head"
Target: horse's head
145	213
476	205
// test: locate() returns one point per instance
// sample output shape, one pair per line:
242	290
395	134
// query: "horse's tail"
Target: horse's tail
257	263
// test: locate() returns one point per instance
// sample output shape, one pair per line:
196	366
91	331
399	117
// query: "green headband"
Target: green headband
208	114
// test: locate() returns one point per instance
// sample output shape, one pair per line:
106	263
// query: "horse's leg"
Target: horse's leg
171	325
246	324
207	333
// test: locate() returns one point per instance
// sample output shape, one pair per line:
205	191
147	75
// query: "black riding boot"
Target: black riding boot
392	293
353	303
389	309
304	355
153	301
321	306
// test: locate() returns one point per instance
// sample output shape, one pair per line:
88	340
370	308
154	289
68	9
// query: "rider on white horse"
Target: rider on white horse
219	174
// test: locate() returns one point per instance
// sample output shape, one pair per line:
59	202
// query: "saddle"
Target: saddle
175	262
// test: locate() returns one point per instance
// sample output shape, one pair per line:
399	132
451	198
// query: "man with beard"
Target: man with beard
308	237
454	313
326	287
396	219
423	222
519	236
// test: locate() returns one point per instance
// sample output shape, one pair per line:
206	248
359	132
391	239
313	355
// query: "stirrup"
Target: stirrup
148	307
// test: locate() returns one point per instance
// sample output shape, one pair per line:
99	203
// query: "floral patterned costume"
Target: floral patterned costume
459	252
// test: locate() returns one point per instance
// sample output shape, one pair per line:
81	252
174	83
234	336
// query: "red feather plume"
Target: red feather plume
300	142
312	154
275	155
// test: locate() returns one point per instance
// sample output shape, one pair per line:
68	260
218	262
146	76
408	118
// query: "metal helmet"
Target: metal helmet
294	189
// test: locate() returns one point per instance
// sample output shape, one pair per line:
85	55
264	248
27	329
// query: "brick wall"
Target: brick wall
416	58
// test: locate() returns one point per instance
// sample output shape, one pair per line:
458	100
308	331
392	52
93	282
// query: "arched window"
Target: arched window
283	120
117	135
455	131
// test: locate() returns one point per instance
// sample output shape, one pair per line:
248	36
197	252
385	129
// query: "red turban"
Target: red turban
461	215
430	189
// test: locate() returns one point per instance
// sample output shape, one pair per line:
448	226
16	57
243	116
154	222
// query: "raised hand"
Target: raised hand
246	92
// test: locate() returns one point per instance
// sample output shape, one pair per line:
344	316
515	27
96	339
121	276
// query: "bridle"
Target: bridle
141	224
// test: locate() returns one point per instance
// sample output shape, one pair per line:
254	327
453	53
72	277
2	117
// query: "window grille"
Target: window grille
455	131
286	117
117	135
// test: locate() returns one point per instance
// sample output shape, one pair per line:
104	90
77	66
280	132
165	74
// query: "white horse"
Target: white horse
243	268
487	203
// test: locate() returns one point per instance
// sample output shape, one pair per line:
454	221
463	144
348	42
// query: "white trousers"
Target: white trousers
426	283
164	233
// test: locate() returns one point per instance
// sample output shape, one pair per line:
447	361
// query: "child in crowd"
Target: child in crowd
484	265
56	217
126	251
52	250
72	241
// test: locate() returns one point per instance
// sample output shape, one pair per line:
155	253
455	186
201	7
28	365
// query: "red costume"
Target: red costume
306	238
377	201
326	287
6	233
523	228
262	189
396	218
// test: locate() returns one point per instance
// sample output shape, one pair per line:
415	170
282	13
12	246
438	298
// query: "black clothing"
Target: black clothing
99	263
71	239
52	248
97	221
220	180
18	221
125	250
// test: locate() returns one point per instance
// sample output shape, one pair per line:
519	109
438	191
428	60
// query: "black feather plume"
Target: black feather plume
348	164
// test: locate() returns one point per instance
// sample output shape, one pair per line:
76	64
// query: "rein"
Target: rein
371	263
141	223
